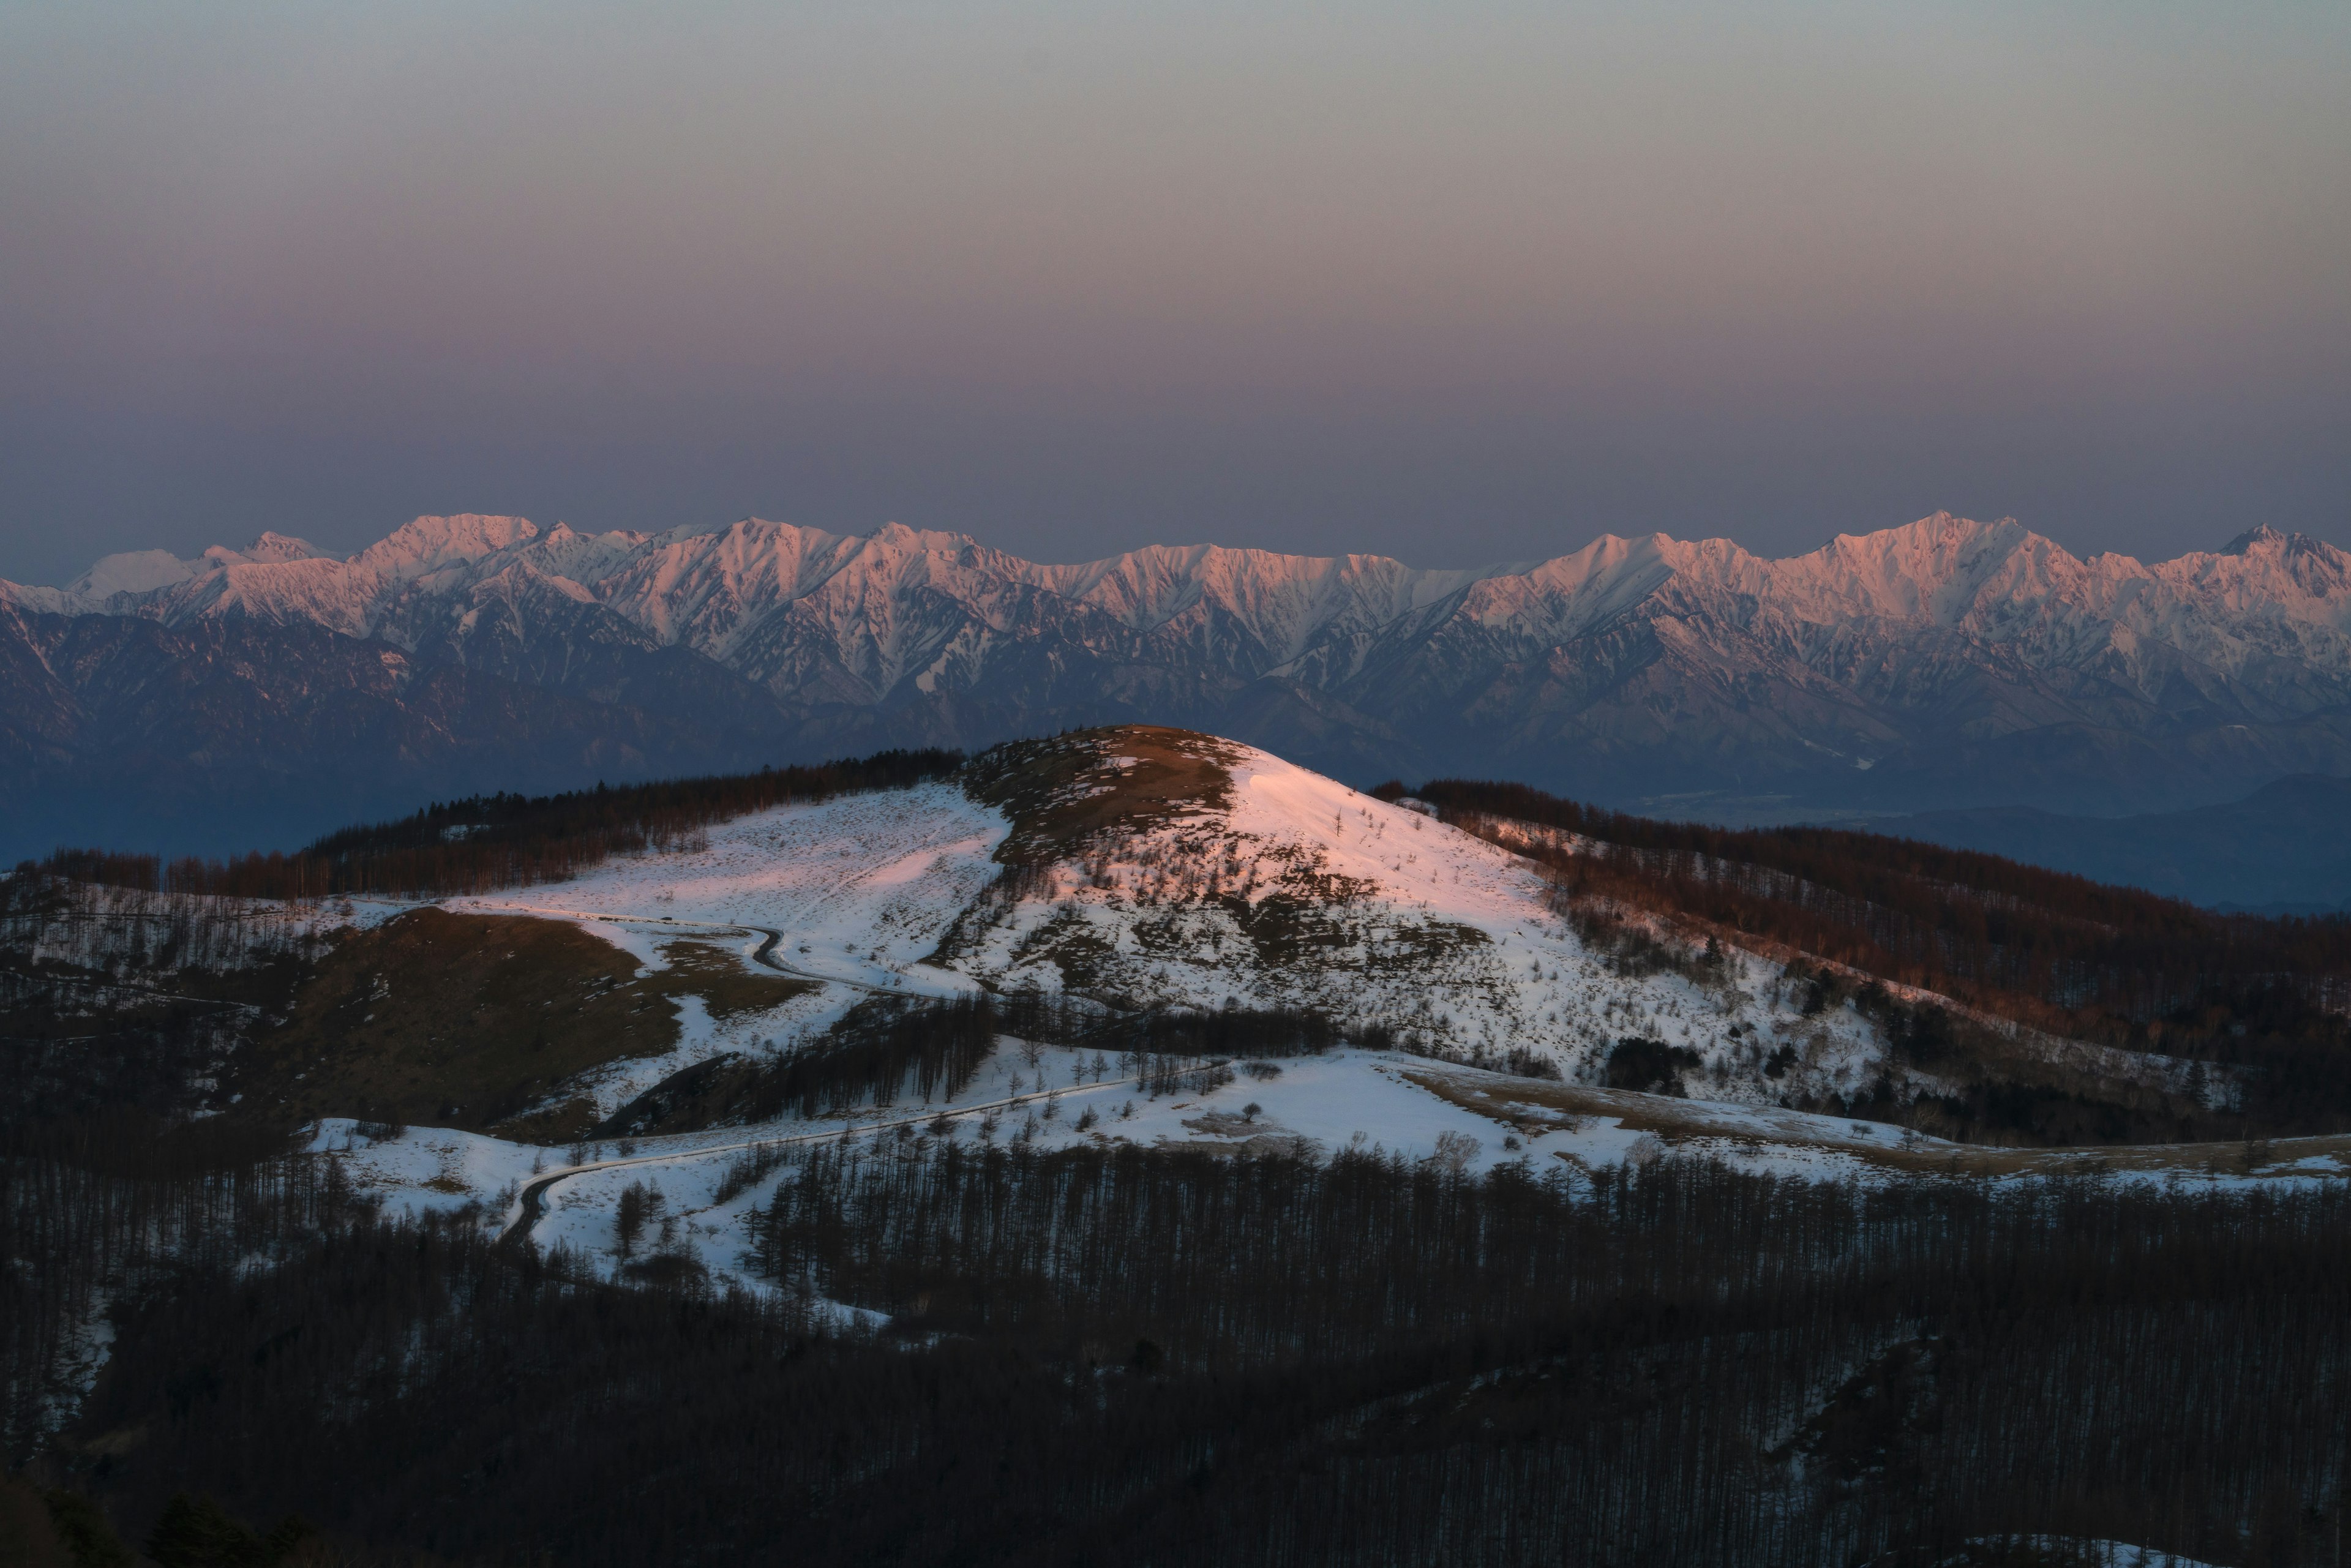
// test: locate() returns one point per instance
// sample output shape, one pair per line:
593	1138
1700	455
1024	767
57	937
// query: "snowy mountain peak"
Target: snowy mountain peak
898	537
146	572
420	546
269	548
1637	663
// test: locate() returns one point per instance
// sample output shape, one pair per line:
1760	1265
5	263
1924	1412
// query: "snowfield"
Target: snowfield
1306	1106
1380	915
862	887
865	884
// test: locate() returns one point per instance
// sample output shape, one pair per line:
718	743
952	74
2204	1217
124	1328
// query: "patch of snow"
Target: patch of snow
864	885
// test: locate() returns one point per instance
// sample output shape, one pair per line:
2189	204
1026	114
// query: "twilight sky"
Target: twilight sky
1457	282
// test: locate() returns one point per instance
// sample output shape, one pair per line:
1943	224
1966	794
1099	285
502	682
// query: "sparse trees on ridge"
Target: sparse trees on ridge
2049	950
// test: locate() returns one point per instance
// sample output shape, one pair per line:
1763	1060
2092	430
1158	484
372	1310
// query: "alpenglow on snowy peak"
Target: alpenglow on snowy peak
1944	662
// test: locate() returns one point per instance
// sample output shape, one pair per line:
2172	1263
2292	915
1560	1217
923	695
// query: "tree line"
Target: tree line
1125	1356
489	841
1112	1352
889	1050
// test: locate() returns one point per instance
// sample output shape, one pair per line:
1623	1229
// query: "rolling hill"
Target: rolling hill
1141	893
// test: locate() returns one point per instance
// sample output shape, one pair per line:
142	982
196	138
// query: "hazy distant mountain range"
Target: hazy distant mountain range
258	694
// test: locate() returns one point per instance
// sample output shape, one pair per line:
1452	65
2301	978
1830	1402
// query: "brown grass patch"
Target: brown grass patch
467	1021
1062	792
728	986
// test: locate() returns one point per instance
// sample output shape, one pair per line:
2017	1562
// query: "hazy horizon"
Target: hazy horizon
1453	285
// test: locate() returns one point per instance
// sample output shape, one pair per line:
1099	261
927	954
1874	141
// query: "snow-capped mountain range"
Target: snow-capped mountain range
1947	663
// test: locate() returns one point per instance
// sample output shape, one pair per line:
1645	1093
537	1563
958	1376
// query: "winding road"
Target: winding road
766	955
530	1202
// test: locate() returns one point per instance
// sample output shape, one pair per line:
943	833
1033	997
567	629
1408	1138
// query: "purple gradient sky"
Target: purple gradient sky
1457	283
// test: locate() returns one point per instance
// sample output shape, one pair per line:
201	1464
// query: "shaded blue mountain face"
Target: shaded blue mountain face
2285	849
222	736
256	696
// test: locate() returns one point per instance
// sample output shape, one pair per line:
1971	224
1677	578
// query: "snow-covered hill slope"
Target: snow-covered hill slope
1277	887
1944	662
1143	869
858	890
1045	1098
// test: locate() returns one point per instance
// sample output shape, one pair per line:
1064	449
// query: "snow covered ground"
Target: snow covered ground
1049	1097
1310	895
1303	894
1309	1105
862	887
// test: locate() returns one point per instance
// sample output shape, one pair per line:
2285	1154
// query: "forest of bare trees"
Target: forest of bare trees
1115	1352
1118	1354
